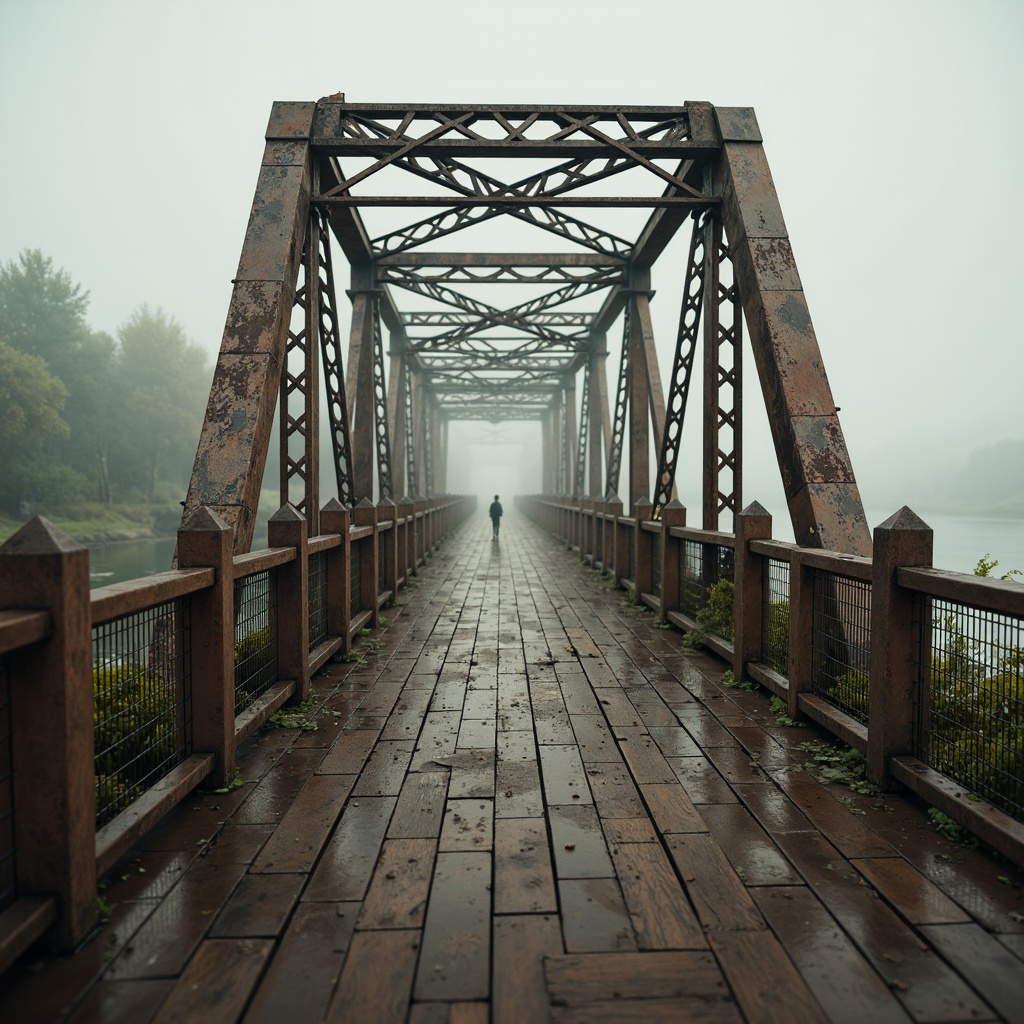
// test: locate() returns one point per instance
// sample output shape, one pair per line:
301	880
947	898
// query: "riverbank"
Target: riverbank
94	523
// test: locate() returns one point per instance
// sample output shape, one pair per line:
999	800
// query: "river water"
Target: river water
959	542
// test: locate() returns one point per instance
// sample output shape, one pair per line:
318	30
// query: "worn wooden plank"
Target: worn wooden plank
468	825
661	914
163	945
405	721
344	870
301	977
517	789
420	808
456	955
523	878
581	979
646	762
437	738
385	770
397	896
718	893
578	843
917	899
299	838
349	753
672	809
594	916
699	777
758	970
757	859
376	981
594	738
565	780
259	907
520	945
217	982
842	981
614	791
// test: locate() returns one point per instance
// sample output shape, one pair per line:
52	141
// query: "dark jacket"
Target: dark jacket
495	510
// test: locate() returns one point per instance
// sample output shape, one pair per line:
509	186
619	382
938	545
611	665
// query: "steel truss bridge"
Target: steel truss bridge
436	175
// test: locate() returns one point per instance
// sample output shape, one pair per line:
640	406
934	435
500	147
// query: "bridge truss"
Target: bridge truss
426	348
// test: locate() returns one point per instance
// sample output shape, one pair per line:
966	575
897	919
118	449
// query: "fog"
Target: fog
134	132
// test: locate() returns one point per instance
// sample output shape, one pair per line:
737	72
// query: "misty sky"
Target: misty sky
133	134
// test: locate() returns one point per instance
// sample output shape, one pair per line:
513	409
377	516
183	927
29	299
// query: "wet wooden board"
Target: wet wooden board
661	914
578	843
259	906
456	955
217	982
344	870
594	738
385	769
521	943
397	897
304	969
917	899
468	826
717	891
755	856
376	981
842	981
523	878
349	753
565	780
420	806
758	970
672	809
298	839
594	916
646	762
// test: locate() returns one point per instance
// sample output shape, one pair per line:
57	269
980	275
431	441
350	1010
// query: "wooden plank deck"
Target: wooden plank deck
529	804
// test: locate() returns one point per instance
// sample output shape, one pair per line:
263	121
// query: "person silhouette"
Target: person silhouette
495	514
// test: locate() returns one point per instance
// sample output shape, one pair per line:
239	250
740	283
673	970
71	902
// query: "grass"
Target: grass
95	521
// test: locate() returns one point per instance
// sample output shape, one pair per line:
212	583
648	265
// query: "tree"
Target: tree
32	400
42	314
165	382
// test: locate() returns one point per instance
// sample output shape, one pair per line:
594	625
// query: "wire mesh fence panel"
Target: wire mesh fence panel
142	702
317	599
841	642
382	575
355	592
775	615
656	567
706	586
8	865
969	707
255	637
630	537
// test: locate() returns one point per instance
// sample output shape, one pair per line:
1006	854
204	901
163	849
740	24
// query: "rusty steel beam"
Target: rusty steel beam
817	474
689	203
235	436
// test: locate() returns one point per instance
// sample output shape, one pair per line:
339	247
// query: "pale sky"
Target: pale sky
133	133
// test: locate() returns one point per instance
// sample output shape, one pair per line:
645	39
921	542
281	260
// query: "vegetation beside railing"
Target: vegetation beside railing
143	689
920	670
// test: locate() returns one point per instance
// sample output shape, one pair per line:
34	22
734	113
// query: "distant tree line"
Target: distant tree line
84	416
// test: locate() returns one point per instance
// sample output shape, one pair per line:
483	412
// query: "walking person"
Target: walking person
495	514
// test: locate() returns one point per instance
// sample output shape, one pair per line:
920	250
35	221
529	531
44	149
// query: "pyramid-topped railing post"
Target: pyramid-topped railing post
902	541
753	523
51	709
365	514
672	515
205	541
643	548
407	537
287	528
335	518
387	512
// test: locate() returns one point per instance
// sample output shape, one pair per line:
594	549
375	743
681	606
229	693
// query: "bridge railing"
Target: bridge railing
116	703
920	669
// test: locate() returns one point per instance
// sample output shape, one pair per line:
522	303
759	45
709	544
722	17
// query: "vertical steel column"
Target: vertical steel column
580	466
723	397
428	443
382	435
412	471
682	365
396	413
569	448
600	416
360	380
299	394
334	377
619	422
639	431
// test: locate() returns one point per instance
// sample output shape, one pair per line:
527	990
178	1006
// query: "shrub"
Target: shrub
135	731
776	638
716	618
